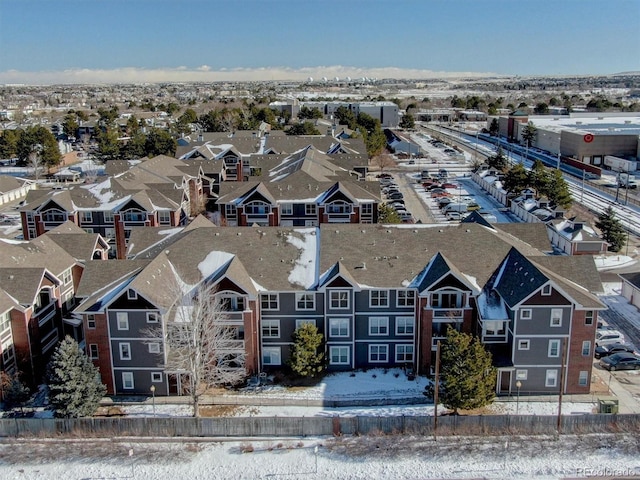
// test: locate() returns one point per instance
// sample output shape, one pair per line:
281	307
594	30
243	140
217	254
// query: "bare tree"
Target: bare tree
201	343
382	161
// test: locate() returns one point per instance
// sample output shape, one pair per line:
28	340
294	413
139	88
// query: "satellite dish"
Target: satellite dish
310	79
348	79
337	79
324	79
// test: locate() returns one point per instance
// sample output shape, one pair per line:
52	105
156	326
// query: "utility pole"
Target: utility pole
435	392
562	375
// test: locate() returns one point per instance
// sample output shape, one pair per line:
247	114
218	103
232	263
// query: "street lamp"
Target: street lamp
518	385
153	399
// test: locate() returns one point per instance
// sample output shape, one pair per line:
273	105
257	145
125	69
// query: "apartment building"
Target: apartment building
382	296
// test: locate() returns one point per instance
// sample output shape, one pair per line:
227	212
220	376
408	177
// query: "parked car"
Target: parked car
454	216
444	201
395	196
406	217
455	207
438	192
613	348
473	206
449	185
620	361
384	175
430	187
607	337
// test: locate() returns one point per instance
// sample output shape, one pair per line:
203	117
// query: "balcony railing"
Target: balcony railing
45	313
339	217
232	346
262	218
447	314
233	318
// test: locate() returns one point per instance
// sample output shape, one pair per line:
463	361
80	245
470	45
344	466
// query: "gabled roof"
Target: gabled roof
518	278
437	269
337	271
41	252
24	285
7	302
475	217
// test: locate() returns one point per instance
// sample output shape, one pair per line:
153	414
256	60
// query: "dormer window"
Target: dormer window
546	290
132	294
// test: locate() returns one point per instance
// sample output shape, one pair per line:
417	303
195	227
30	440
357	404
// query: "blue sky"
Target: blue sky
45	40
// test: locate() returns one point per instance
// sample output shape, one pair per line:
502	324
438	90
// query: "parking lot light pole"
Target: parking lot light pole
518	385
153	399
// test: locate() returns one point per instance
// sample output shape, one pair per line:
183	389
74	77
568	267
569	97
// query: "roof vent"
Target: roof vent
239	233
217	234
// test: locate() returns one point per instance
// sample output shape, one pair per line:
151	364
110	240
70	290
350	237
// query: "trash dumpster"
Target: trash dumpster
607	405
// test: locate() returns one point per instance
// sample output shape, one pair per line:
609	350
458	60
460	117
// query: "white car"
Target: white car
607	337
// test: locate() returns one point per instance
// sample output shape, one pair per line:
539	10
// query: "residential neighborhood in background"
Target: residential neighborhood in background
308	228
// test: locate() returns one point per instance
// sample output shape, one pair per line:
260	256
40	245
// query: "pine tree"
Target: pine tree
558	190
306	361
516	179
15	393
73	382
468	376
611	229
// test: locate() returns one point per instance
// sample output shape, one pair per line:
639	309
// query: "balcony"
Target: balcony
43	314
233	318
339	217
231	346
447	314
260	219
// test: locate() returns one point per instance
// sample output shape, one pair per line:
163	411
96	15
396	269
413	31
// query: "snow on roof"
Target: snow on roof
491	309
214	261
104	195
171	231
304	270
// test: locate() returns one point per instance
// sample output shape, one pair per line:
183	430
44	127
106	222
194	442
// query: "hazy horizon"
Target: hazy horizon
152	41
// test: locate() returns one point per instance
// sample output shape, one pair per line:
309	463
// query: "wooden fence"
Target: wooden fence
234	427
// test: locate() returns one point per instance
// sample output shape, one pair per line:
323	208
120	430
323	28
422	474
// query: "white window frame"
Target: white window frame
336	303
92	347
286	209
304	321
156	377
554	345
526	314
556	315
127	381
586	347
122	320
86	217
377	324
108	216
304	297
340	349
405	325
153	317
274	357
164	217
379	298
336	324
583	378
382	353
66	276
524	344
91	321
310	209
551	378
546	290
366	208
132	294
522	374
269	326
588	317
405	298
121	346
402	354
154	347
269	299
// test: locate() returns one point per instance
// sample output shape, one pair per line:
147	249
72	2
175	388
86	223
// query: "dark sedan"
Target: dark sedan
606	350
620	361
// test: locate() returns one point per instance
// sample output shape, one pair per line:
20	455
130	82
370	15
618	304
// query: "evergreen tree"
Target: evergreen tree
108	145
386	214
310	113
345	117
558	189
73	382
539	178
407	122
306	361
498	161
15	394
467	373
494	128
611	229
516	179
160	142
529	134
305	128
